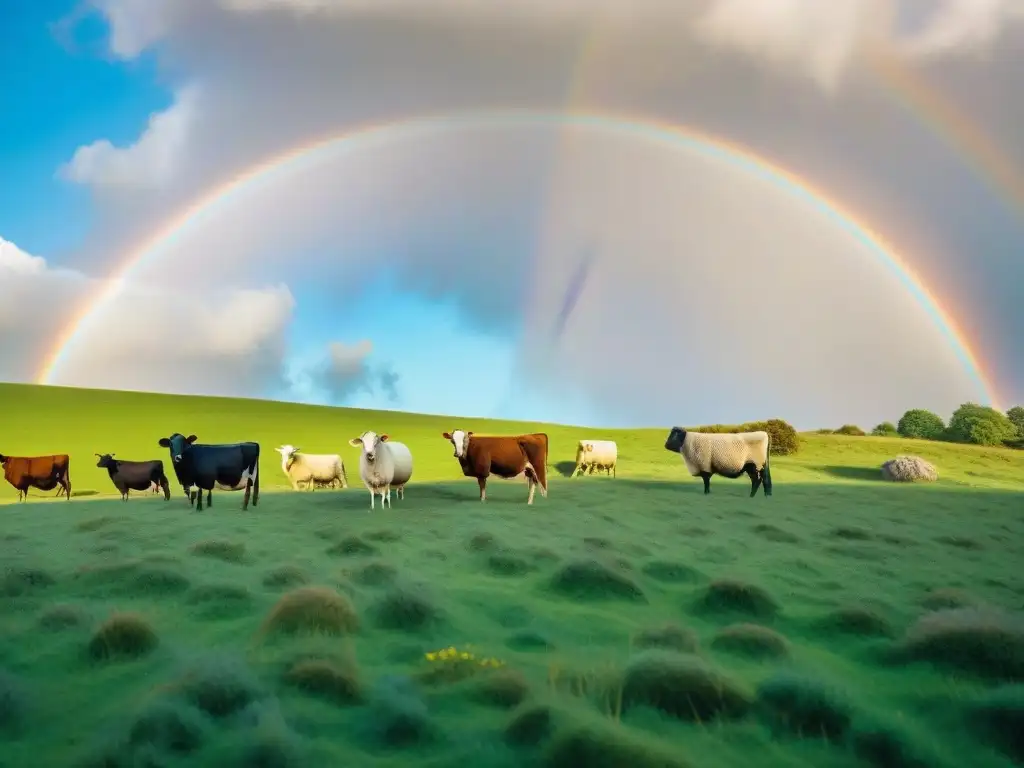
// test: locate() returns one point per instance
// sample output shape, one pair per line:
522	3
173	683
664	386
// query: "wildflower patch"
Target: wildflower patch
451	664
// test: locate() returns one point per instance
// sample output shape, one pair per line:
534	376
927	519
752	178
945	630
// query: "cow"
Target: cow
42	472
130	476
506	456
200	467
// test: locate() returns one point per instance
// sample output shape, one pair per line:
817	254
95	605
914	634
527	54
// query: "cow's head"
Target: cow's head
177	444
288	453
3	459
106	460
676	437
368	441
459	440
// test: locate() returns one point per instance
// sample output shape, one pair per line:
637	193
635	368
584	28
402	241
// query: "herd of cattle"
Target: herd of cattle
385	464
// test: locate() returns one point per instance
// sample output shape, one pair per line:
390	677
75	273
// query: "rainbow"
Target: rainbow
673	137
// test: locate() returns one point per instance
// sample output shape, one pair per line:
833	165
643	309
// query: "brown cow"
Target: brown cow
505	456
42	472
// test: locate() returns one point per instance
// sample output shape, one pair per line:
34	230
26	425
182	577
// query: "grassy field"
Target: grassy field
630	622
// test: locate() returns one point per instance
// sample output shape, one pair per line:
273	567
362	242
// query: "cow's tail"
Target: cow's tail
767	472
537	453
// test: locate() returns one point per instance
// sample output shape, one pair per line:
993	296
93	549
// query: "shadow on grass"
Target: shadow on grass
869	474
565	468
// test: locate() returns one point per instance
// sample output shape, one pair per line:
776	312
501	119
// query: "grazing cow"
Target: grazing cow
383	464
130	476
506	456
596	454
201	467
41	472
313	469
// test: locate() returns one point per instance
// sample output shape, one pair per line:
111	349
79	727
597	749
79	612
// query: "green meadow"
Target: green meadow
844	621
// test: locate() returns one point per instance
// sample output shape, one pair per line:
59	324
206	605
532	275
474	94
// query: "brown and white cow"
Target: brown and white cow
42	472
506	456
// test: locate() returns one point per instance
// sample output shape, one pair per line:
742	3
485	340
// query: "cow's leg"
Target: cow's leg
755	478
256	486
706	477
533	487
166	486
372	499
209	498
248	492
482	482
199	499
386	497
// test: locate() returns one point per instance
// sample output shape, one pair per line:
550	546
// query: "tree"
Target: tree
1016	417
981	425
921	424
885	429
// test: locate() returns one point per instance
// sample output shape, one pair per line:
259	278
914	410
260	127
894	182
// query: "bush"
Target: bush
850	429
885	429
784	440
921	424
1016	417
981	425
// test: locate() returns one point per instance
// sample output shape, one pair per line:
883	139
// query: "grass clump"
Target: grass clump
728	596
122	635
949	597
606	745
219	549
312	610
93	524
20	581
169	726
508	564
530	725
61	616
858	620
670	637
405	609
529	640
285	577
505	688
398	716
13	702
669	572
220	686
351	546
984	642
218	600
684	687
375	574
482	542
158	581
776	534
998	718
326	679
803	707
593	580
385	536
751	640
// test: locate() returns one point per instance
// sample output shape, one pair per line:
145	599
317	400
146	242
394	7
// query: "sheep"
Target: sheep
383	464
311	468
596	454
726	454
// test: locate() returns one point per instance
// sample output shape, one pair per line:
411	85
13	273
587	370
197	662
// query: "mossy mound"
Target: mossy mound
326	679
406	609
312	610
122	635
219	549
670	637
352	546
856	620
729	596
286	577
804	707
670	572
752	641
682	686
980	641
594	580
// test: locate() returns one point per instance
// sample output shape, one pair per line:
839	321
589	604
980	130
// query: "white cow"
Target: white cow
596	454
311	468
383	464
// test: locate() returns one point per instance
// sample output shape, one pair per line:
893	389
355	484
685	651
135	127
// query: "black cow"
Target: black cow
201	467
130	476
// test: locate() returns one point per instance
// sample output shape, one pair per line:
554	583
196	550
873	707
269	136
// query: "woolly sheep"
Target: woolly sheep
907	469
311	468
596	454
383	464
726	454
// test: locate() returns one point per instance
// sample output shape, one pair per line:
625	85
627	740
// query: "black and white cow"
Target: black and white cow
201	467
130	476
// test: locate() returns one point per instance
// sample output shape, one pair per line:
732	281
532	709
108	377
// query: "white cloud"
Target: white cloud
961	27
151	161
346	370
215	342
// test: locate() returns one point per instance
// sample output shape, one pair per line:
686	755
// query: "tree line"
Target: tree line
970	423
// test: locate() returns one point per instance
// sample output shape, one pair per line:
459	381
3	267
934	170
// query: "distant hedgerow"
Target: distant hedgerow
850	429
885	429
783	439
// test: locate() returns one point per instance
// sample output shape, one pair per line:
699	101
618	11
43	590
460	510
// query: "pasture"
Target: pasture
632	621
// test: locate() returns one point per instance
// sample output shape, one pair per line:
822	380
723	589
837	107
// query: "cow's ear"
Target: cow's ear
164	442
468	434
383	438
355	442
191	439
446	435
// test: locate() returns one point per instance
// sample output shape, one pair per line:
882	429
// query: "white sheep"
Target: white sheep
383	464
727	454
312	468
596	454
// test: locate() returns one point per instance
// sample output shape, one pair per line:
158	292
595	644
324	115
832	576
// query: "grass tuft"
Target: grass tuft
997	717
220	600
670	572
169	726
399	717
482	542
804	707
530	725
507	563
776	534
728	596
980	641
860	620
326	679
375	574
529	640
670	637
607	745
13	702
505	688
405	609
220	686
309	610
593	580
20	581
218	549
122	635
949	597
351	546
384	536
62	616
752	641
286	577
682	686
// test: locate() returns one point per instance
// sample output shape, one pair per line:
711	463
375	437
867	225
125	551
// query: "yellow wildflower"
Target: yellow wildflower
431	656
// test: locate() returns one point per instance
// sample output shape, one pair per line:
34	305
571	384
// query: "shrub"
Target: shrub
783	438
1016	417
921	424
850	429
981	425
312	609
885	429
125	635
684	687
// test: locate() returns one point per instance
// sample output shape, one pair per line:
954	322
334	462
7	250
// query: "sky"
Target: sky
518	209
